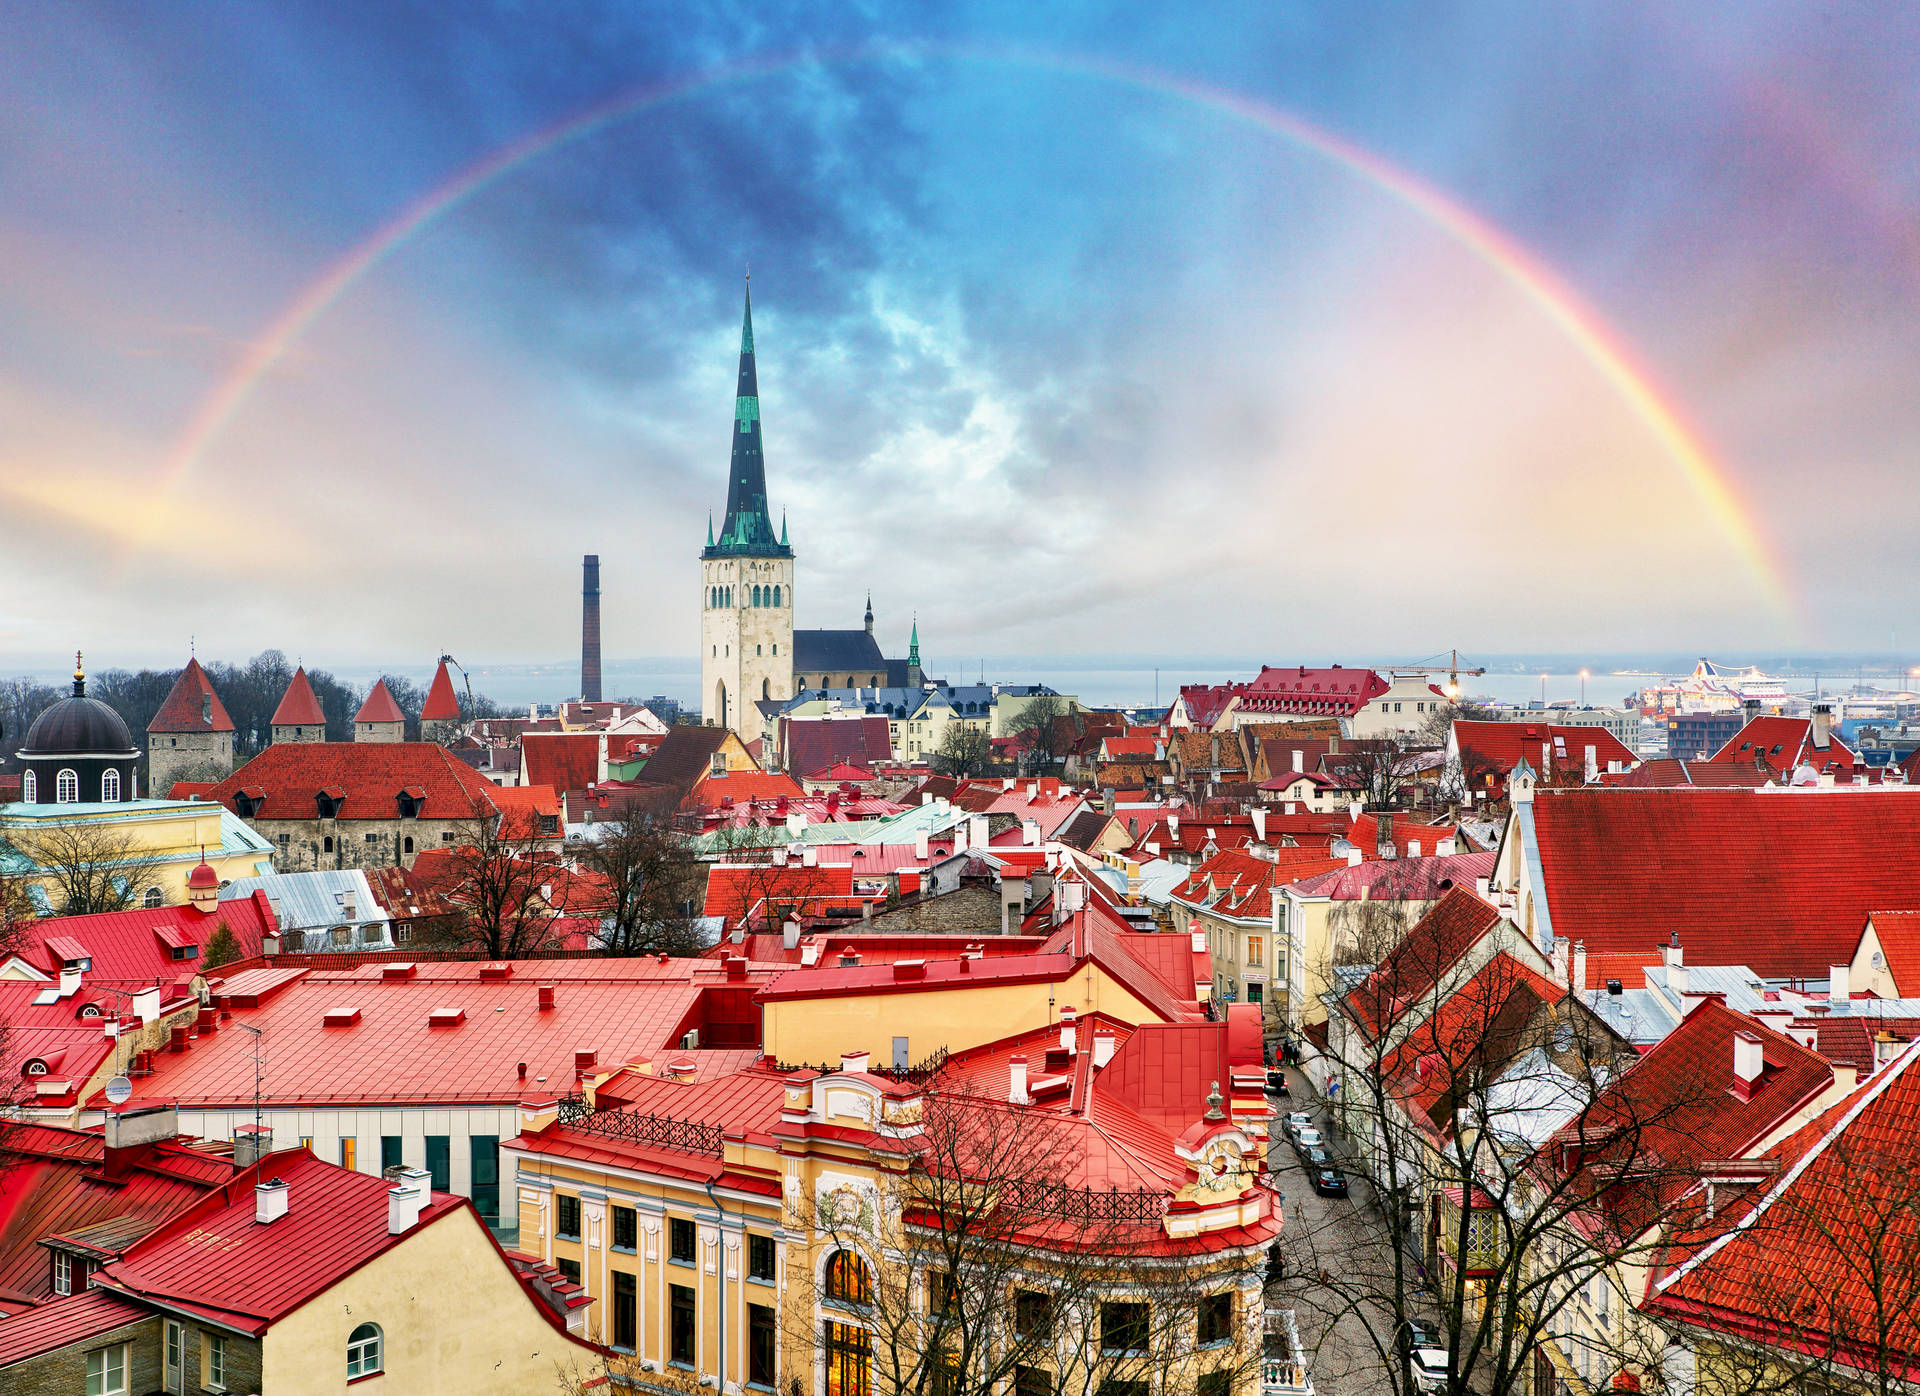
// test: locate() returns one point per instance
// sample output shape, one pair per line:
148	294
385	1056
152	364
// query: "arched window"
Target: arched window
406	845
776	596
154	897
363	1352
30	788
66	787
847	1279
326	844
110	788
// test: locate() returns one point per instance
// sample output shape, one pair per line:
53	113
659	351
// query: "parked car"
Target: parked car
1296	1122
1430	1368
1277	1085
1328	1181
1308	1138
1316	1157
1415	1333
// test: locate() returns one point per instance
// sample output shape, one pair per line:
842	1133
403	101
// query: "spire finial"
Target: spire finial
1214	1111
79	676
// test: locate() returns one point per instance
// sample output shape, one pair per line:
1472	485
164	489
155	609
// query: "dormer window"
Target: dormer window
329	805
185	952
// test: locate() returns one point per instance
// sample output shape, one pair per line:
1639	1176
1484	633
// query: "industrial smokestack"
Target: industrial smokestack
590	628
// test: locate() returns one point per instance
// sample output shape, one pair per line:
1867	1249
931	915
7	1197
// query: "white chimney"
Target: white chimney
1259	813
796	821
1579	966
1748	1058
920	845
270	1200
1446	847
1069	1027
69	983
1030	832
1299	761
1017	1081
1593	764
1677	978
1173	826
1837	986
1353	857
854	1062
146	1004
977	835
406	1199
1103	1044
810	856
790	933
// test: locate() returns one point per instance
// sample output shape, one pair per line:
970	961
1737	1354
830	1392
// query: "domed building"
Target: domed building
78	752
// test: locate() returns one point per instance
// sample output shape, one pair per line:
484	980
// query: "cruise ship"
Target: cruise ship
1715	687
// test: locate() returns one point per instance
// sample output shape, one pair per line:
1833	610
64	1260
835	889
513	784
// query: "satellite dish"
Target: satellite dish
119	1091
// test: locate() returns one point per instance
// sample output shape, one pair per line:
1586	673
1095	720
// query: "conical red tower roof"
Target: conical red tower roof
299	708
441	705
192	705
380	706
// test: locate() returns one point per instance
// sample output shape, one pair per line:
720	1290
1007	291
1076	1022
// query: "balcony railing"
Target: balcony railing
1283	1365
684	1136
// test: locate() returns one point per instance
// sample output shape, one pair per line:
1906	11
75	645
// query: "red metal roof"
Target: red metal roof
1781	881
298	706
813	743
1784	743
380	706
133	947
191	705
1546	746
288	775
441	704
47	1327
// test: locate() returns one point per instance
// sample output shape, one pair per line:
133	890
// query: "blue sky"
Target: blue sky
1062	362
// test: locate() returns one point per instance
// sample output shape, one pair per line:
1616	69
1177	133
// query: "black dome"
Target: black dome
79	726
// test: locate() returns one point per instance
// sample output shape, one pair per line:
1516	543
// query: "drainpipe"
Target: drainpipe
720	1273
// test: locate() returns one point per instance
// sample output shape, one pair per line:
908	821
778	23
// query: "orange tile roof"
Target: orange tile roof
191	705
298	706
380	706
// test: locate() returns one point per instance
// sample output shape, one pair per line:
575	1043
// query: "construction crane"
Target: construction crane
1452	665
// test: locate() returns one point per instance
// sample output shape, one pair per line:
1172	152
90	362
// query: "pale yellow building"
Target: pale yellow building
154	845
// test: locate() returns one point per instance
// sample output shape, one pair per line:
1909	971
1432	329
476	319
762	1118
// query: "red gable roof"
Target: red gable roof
1899	935
191	705
1341	692
1778	880
1784	743
567	761
48	1327
1240	884
740	786
380	706
1670	771
135	947
816	742
1545	745
441	704
737	889
298	706
1421	960
372	775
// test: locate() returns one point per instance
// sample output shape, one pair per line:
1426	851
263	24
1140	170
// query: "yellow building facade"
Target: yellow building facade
157	842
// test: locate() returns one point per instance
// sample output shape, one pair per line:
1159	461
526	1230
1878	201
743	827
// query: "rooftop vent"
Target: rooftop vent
498	969
909	969
408	970
341	1017
270	1200
446	1017
546	997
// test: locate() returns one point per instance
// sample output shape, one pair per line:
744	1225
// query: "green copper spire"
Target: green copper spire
747	529
913	644
709	528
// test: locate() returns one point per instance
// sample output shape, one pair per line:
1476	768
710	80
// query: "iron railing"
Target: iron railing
918	1074
686	1136
1058	1200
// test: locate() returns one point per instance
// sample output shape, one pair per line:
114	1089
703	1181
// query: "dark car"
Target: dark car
1277	1085
1415	1333
1316	1159
1328	1182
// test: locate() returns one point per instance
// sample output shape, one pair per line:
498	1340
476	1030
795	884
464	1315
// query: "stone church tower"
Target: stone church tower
746	580
191	737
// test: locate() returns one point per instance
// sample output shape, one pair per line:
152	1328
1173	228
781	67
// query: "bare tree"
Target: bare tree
985	1270
1038	732
495	881
965	750
653	886
87	866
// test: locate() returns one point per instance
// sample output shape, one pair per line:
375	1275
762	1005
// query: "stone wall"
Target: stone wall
300	845
173	756
972	910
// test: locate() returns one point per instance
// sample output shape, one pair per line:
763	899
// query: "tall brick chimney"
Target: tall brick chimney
590	628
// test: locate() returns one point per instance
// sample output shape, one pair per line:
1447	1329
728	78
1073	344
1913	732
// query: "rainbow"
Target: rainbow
1597	342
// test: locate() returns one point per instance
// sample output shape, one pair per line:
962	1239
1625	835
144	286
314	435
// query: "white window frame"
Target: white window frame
100	1374
357	1352
62	1273
30	788
66	786
110	788
154	898
214	1361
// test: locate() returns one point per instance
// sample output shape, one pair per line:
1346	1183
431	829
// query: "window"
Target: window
760	1258
406	844
1215	1384
1216	1318
363	1351
326	844
566	1222
943	1295
847	1279
625	1311
107	1372
483	1176
349	1152
216	1360
66	787
849	1354
681	1245
776	596
1256	950
568	1268
1032	1381
62	1273
626	1229
945	1370
369	838
439	1162
30	788
1033	1313
176	1353
389	1152
760	1345
680	1331
1123	1326
110	788
717	764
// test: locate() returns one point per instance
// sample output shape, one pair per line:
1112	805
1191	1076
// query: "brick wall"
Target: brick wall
972	911
63	1372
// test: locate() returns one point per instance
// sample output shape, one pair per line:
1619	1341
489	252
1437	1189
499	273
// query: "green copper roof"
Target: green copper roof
913	645
748	528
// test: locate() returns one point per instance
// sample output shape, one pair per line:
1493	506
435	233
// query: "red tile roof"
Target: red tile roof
1438	940
1400	879
62	1323
1546	746
1668	771
441	704
135	947
1784	743
741	889
1241	884
744	785
371	773
565	760
1899	935
217	1260
1781	881
380	706
191	705
298	706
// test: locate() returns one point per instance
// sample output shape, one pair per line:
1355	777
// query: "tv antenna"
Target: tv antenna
259	1056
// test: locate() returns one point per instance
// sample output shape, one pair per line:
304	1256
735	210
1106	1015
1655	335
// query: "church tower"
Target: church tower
746	579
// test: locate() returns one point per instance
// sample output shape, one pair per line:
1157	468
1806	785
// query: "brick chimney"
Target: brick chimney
590	628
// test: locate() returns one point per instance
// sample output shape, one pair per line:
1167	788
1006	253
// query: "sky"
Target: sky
1294	330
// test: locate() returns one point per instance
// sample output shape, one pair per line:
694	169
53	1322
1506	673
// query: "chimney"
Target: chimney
1030	833
1383	821
546	998
270	1201
809	855
1592	764
1678	980
1748	1058
1069	1028
1259	813
854	1062
1103	1044
1299	761
1353	857
1670	952
406	1199
146	1005
129	1131
1017	1081
1579	965
920	845
790	932
977	834
69	983
1750	709
1822	726
1837	985
250	1143
590	628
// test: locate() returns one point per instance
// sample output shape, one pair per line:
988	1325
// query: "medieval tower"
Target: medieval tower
746	577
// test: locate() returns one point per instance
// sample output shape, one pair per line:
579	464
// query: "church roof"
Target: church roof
855	651
79	726
441	704
748	528
299	707
380	706
191	705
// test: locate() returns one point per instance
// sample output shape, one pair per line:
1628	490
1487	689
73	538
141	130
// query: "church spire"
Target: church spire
748	527
913	645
